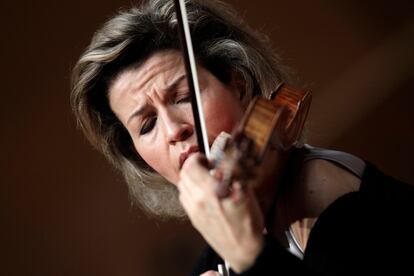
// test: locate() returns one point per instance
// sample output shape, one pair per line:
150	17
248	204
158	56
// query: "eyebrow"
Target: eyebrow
137	113
142	109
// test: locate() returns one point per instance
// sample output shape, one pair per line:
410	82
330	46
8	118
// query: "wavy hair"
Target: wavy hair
223	43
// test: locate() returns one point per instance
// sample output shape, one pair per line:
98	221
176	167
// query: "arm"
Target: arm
232	226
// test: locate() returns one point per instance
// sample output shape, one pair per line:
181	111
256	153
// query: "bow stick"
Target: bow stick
192	79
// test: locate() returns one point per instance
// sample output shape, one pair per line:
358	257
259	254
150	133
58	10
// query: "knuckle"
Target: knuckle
199	202
190	162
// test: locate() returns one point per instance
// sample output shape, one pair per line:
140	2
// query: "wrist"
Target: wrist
248	254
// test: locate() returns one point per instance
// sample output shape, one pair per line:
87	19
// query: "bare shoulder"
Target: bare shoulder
324	181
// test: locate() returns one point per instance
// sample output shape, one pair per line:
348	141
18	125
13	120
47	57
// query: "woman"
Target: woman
131	99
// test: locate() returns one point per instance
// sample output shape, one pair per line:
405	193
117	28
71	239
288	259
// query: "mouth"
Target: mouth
185	154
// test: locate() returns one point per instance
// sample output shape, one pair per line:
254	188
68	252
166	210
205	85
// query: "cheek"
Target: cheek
151	159
157	159
222	115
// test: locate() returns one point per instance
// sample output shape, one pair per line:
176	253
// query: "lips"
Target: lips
185	154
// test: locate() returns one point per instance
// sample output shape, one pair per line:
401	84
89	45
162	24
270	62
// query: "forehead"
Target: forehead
160	61
165	62
129	87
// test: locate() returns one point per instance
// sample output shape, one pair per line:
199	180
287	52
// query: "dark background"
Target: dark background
65	211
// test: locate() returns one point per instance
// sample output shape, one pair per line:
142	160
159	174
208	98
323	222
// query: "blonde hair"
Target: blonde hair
222	44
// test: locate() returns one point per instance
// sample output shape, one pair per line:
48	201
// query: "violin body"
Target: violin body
276	123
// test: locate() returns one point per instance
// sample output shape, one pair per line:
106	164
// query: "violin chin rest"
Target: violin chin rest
219	145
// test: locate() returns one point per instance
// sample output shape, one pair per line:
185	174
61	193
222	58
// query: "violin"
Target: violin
268	123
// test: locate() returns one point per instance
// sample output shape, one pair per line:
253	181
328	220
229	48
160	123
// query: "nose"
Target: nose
178	128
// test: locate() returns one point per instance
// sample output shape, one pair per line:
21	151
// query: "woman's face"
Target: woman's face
152	102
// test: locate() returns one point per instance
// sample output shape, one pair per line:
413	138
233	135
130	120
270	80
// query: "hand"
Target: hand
233	226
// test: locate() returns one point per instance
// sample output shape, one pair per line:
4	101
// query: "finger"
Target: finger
217	174
197	187
200	159
195	177
195	199
243	193
222	189
210	273
195	167
192	206
237	194
199	208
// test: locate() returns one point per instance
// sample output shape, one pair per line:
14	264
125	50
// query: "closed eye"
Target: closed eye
183	99
148	125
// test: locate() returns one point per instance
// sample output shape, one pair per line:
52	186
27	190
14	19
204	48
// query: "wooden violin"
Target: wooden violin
277	121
